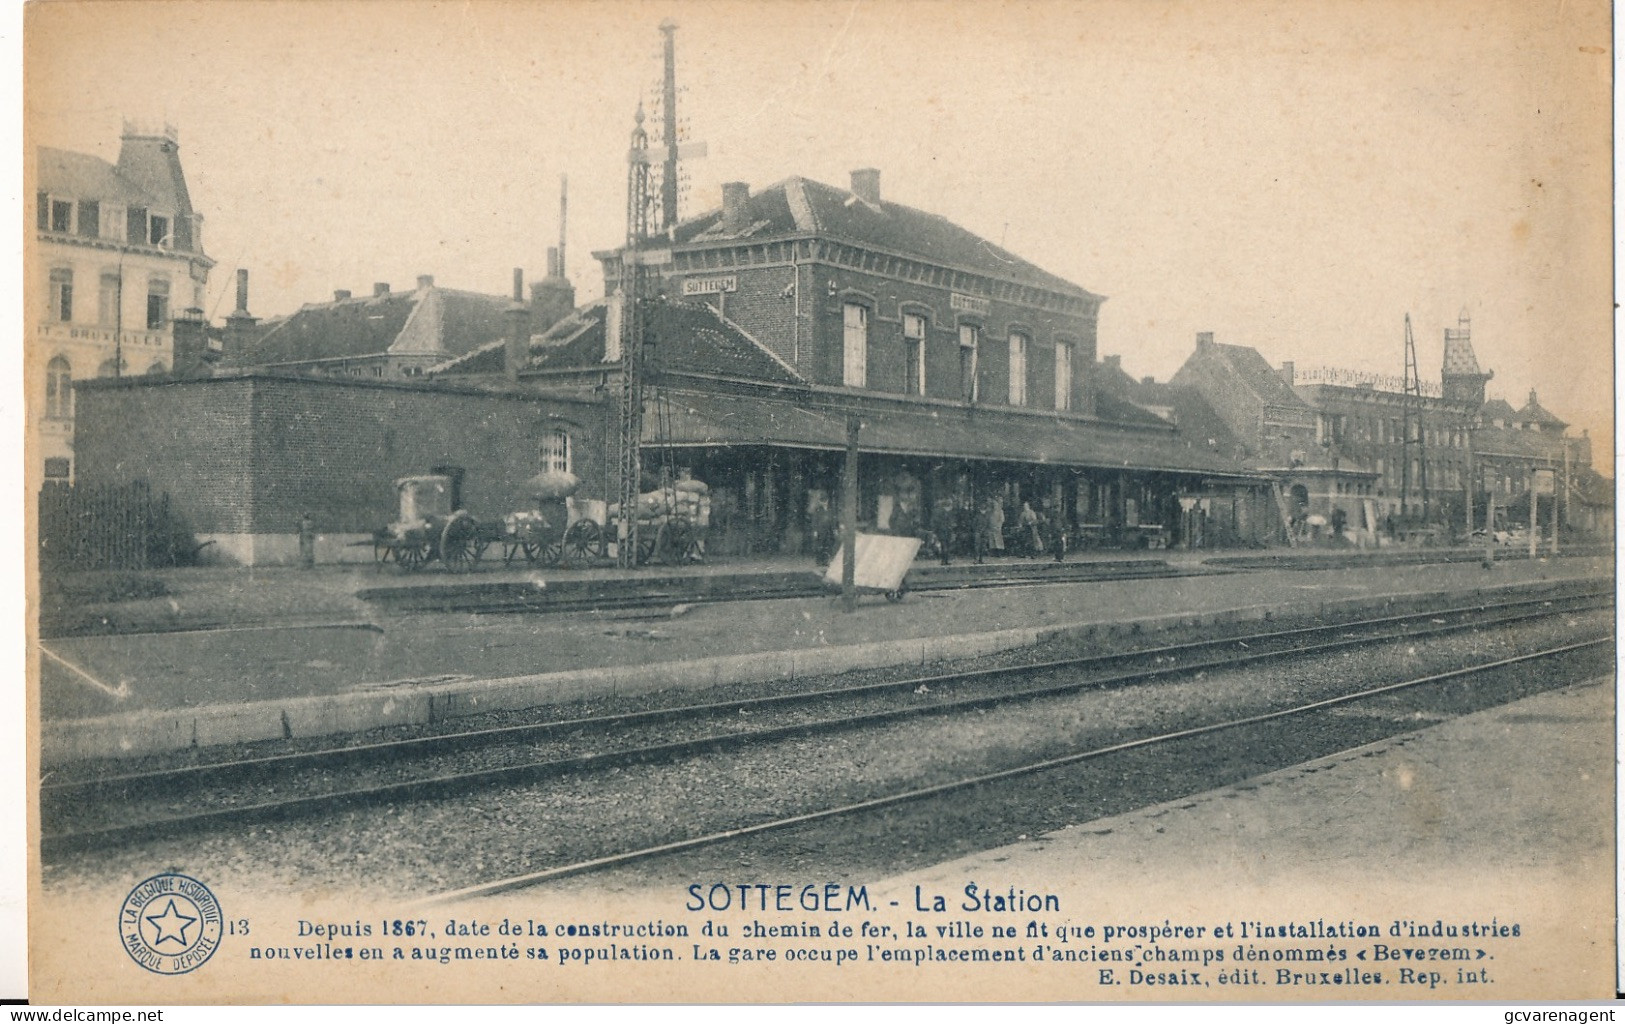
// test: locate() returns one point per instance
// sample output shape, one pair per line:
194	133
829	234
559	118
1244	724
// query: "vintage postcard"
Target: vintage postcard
552	502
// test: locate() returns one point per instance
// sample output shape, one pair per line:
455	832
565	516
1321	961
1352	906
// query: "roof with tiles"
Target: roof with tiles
1534	412
374	325
801	206
694	338
83	176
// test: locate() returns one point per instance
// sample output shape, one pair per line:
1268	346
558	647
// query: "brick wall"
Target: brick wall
251	455
765	305
189	438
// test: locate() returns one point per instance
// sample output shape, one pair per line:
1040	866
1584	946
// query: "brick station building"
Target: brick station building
782	314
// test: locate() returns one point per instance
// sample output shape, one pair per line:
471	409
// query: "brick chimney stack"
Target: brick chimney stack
866	185
516	353
553	297
240	324
191	338
735	206
1289	373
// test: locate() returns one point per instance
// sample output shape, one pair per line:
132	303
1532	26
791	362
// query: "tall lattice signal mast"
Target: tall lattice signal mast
1415	436
638	255
629	301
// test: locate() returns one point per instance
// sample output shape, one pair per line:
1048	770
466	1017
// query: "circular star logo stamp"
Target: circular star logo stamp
170	924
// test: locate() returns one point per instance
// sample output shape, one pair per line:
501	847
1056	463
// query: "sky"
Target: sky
1297	177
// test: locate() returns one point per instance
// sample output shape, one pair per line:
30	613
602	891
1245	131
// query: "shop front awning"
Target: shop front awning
690	419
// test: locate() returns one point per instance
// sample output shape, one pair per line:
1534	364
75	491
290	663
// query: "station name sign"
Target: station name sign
711	285
967	303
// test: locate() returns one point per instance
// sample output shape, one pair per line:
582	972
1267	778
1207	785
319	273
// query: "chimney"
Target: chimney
1204	339
516	353
192	355
340	294
380	288
240	324
866	185
735	206
552	263
1148	380
425	282
1114	361
1289	373
1532	397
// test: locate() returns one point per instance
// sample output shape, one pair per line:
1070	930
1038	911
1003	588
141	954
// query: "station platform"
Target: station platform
301	655
1501	817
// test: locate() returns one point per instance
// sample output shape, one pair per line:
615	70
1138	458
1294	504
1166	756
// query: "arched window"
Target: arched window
556	452
59	389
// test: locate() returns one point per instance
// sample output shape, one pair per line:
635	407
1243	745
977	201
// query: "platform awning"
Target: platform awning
688	419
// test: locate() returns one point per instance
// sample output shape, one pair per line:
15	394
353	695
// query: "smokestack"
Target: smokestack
516	353
240	324
866	185
552	264
242	290
564	212
735	206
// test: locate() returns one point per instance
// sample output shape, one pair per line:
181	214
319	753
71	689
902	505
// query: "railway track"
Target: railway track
1293	716
108	810
567	596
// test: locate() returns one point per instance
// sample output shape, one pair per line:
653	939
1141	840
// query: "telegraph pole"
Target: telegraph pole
668	176
1414	430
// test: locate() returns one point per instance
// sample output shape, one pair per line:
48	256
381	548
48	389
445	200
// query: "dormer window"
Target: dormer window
90	218
61	216
160	231
135	225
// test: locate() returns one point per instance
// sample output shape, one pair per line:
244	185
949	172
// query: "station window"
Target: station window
556	452
913	354
1018	369
969	338
855	346
1063	376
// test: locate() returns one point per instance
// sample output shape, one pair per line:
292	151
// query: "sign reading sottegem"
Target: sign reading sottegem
711	285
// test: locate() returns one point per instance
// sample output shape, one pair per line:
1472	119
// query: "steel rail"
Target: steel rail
923	793
458	782
469	739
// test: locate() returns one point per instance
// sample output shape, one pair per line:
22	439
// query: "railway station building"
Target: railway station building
973	373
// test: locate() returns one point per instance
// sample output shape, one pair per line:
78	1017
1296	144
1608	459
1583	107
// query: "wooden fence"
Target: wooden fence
123	526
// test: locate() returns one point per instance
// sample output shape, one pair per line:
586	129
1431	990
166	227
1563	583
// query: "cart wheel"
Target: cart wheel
509	550
547	552
672	543
411	557
648	543
582	540
457	543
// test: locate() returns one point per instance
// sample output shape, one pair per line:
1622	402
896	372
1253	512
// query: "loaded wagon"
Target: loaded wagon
433	525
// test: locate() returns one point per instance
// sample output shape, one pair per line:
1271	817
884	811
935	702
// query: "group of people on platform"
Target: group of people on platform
962	528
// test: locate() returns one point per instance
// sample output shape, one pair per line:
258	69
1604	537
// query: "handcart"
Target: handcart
882	566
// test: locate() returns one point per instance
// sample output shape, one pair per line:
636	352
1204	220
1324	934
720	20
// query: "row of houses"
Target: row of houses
783	314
